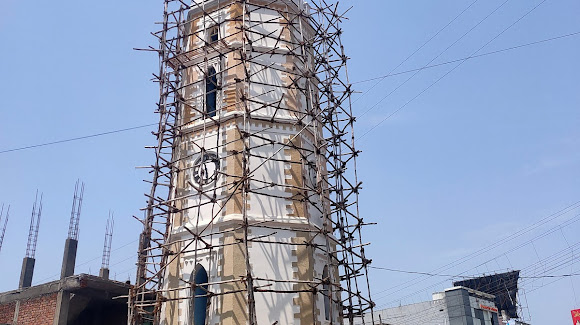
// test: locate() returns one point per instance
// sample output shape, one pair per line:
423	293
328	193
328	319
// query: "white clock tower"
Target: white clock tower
258	206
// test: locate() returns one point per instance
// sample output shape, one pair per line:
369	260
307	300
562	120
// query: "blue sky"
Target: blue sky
490	149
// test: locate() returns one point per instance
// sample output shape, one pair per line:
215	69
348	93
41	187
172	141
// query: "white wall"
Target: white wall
274	259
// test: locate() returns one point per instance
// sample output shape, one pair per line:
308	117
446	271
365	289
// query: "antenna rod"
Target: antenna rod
104	272
71	243
75	214
3	232
29	260
70	254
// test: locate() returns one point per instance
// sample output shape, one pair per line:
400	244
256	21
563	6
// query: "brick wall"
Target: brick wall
38	311
7	313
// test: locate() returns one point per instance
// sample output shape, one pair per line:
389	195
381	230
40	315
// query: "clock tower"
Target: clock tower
250	222
258	202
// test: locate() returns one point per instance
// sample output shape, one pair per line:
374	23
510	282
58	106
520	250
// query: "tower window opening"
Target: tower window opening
211	87
213	34
199	301
326	292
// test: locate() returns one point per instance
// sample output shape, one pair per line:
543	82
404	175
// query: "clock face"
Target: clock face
206	168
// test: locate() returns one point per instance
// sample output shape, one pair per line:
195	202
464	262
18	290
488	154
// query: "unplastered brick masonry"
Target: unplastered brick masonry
38	311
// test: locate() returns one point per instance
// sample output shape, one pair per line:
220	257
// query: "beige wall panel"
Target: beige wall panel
305	272
233	307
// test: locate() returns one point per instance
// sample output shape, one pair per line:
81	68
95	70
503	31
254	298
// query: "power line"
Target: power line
470	276
412	54
435	58
77	138
92	260
362	81
498	244
422	273
469	57
557	261
443	76
555	257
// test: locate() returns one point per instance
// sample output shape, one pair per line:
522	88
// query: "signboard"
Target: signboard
503	286
484	307
576	317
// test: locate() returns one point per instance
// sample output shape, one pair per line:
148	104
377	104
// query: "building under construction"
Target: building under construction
253	214
80	299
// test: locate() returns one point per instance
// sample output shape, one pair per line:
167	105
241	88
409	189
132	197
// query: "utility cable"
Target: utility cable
375	78
420	315
571	282
470	276
435	58
498	244
78	138
414	281
557	261
94	259
469	57
412	54
445	75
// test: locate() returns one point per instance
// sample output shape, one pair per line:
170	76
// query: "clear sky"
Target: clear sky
464	179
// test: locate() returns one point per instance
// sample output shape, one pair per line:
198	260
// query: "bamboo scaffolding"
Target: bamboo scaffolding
320	76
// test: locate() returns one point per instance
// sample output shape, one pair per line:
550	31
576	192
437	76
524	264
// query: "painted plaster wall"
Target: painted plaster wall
272	260
290	263
271	166
272	72
274	254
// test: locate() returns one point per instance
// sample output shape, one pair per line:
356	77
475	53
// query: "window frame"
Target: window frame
211	92
213	34
198	278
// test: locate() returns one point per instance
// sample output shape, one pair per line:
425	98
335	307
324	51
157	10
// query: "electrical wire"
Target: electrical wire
498	244
557	260
78	138
443	76
554	258
362	81
435	58
418	317
469	57
470	276
412	54
92	260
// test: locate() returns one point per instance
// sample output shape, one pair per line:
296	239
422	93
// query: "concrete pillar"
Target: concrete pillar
16	312
69	258
62	306
68	269
26	273
104	273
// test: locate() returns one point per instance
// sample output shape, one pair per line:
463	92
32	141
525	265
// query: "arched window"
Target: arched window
198	303
211	85
213	34
326	292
